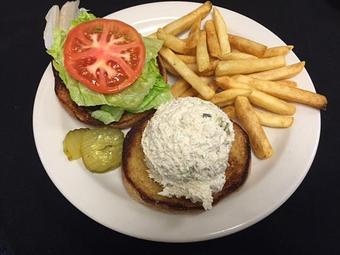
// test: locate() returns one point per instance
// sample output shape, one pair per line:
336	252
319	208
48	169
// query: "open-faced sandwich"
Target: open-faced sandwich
189	155
106	73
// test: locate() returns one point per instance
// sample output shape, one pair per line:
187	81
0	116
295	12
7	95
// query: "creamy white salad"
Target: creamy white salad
186	146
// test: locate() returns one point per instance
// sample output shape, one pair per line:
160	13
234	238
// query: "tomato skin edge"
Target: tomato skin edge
134	74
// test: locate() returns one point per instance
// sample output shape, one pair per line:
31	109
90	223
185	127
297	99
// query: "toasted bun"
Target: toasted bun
83	113
141	187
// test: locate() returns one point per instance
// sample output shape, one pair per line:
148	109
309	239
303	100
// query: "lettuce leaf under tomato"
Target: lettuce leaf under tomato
83	16
148	91
108	114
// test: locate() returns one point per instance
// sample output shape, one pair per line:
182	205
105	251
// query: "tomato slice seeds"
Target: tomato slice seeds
105	55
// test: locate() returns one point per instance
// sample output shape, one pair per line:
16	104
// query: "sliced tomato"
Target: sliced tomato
105	55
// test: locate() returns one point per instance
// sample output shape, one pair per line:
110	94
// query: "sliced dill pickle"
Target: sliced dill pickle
72	143
101	149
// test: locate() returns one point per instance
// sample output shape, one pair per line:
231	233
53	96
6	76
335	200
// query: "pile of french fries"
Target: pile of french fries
246	79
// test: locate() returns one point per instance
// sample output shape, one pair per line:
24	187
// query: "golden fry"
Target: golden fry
245	66
226	103
211	84
179	87
226	82
286	93
229	95
202	55
274	120
210	81
208	72
222	32
230	111
266	118
258	98
169	68
173	42
271	103
247	46
277	51
250	122
237	56
281	73
236	50
187	59
194	34
184	23
288	83
212	39
191	92
187	74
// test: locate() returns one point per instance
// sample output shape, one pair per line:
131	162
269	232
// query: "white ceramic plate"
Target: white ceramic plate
102	196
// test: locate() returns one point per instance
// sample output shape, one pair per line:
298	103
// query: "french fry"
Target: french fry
187	74
237	56
246	66
247	46
235	50
179	87
230	111
274	120
266	118
212	39
169	68
208	72
210	81
286	93
281	73
246	79
271	103
226	103
184	23
258	98
250	122
191	92
221	30
212	85
229	95
226	82
173	42
202	55
288	83
187	58
277	51
194	34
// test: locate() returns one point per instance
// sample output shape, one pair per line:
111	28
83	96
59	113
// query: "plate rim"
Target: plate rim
207	236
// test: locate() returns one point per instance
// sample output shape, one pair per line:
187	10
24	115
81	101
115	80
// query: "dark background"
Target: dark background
36	219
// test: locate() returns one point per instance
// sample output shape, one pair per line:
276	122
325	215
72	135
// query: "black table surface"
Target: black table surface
35	218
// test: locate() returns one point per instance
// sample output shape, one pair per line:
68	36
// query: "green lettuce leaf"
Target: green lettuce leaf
83	16
108	114
148	91
159	94
129	99
152	47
